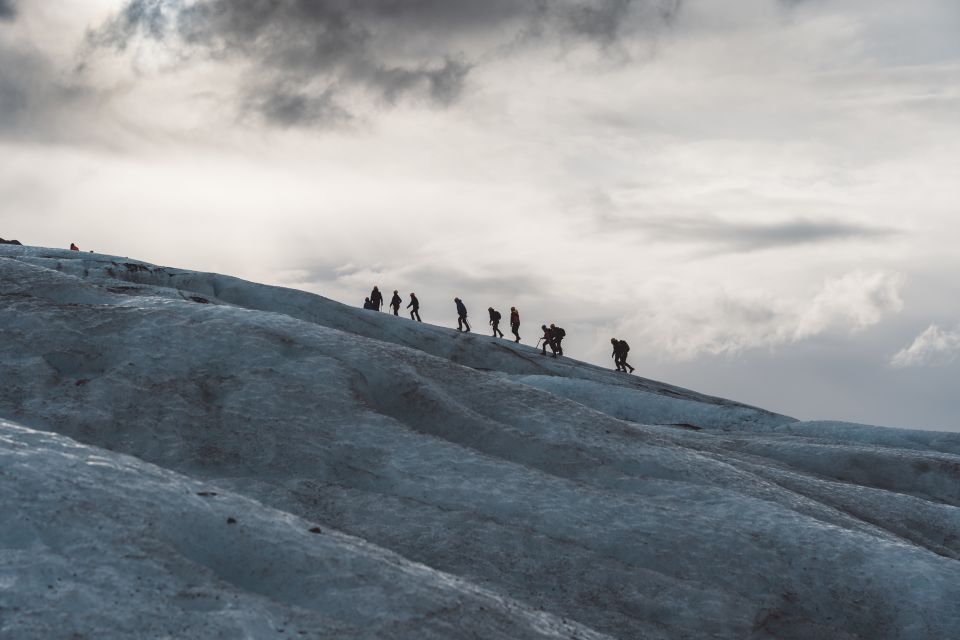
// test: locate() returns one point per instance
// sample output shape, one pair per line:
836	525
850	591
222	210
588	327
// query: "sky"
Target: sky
761	197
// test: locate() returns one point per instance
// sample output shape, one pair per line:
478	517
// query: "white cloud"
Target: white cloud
856	301
933	347
688	322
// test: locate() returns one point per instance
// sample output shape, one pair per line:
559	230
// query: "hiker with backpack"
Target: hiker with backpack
495	321
558	335
461	315
620	351
515	323
548	339
376	298
416	308
395	303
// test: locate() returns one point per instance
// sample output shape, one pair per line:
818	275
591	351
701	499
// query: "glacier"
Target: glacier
186	454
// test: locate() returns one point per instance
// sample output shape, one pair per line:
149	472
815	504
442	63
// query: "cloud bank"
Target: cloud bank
7	9
689	322
305	60
729	236
933	347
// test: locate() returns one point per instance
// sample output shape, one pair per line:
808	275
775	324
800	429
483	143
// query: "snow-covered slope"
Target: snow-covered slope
542	485
95	544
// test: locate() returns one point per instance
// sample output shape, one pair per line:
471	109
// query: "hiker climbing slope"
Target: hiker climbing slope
461	315
548	340
558	335
495	321
414	307
515	323
395	303
376	298
620	351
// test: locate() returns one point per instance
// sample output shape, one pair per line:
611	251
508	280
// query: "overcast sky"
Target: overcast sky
761	196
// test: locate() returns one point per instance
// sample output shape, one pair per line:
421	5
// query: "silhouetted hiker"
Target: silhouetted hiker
461	315
74	247
415	314
515	323
548	339
620	351
367	304
558	335
376	298
395	303
495	321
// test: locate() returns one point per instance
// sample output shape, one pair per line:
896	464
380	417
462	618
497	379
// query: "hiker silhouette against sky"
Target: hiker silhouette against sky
495	321
515	323
376	298
415	308
620	350
395	303
461	315
548	340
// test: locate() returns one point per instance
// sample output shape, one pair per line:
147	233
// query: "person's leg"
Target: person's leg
465	323
418	316
515	329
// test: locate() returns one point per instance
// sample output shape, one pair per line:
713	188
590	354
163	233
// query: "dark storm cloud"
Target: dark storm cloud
303	55
8	9
33	95
742	236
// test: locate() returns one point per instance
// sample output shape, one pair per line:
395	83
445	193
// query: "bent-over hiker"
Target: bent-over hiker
495	321
620	351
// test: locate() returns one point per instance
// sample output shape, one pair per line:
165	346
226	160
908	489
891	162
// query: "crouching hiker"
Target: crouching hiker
495	321
548	340
367	304
415	312
515	323
620	351
461	315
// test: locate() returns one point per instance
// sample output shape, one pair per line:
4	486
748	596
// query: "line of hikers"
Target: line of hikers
552	336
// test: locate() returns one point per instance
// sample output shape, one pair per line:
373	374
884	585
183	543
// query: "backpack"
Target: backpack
624	346
560	333
496	316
